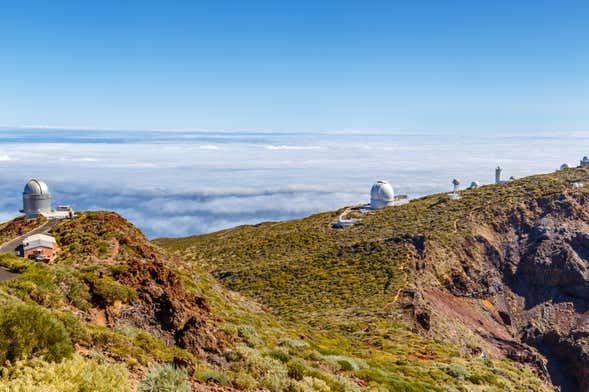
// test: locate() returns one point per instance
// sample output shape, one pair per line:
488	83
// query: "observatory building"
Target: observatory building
584	161
456	187
498	171
36	199
381	195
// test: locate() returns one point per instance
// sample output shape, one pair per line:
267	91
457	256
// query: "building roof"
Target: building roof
39	240
36	187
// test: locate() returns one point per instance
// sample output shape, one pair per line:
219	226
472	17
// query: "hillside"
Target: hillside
494	283
486	293
115	313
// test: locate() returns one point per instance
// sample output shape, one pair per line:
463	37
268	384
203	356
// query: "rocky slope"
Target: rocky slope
112	306
501	275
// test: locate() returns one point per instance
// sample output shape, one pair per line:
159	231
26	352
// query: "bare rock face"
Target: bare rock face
164	306
521	283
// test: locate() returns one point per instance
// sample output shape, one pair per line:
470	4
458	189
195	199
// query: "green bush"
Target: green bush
13	263
165	378
28	331
279	354
118	269
215	376
36	283
249	334
294	343
296	370
72	375
243	381
457	371
76	291
345	363
110	291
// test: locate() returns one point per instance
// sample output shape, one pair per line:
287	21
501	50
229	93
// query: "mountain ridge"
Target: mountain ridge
449	268
485	293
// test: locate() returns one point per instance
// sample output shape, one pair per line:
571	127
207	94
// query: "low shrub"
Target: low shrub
344	363
31	331
76	291
13	263
110	291
165	378
296	370
214	376
294	343
249	334
279	354
37	284
243	381
457	371
71	375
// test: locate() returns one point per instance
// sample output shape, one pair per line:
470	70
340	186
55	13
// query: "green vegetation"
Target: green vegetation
295	306
342	289
165	378
72	375
28	331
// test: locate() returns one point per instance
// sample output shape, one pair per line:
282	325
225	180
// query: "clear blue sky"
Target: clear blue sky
480	66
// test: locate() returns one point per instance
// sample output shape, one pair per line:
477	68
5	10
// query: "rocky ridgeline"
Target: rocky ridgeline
520	281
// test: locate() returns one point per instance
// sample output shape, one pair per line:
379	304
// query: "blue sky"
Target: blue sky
301	66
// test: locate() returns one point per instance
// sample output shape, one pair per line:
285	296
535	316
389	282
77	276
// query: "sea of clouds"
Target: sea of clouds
182	183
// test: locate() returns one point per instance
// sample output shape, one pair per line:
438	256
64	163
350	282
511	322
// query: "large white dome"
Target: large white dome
36	187
36	198
381	195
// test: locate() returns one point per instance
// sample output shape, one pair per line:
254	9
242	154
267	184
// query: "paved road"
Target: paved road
10	246
6	275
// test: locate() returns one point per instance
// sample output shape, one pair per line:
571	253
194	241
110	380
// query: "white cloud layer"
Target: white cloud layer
175	184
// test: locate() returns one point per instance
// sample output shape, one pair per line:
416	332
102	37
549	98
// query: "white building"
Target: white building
37	202
36	199
381	195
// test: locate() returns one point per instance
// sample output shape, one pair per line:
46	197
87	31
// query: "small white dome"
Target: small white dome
564	166
474	185
381	195
456	181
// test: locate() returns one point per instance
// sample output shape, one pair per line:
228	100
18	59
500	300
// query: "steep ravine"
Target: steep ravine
519	280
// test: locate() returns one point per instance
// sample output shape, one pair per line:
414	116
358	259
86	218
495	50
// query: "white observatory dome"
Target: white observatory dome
381	195
36	198
564	166
36	187
474	185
